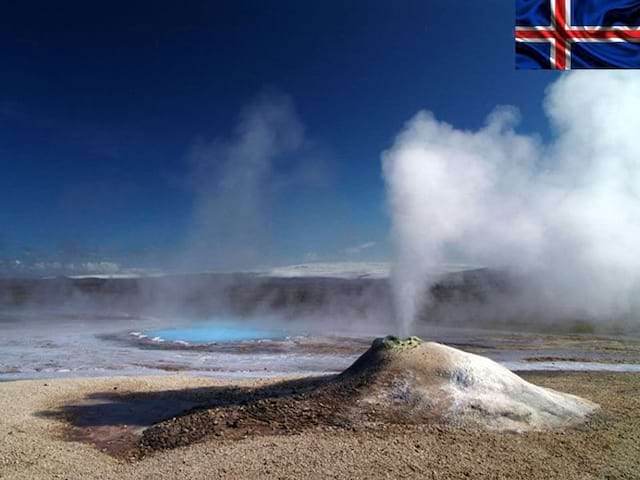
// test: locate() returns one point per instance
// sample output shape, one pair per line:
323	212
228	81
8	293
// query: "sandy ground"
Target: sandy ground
59	428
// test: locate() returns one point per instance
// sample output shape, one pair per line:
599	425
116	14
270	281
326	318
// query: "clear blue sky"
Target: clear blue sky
101	101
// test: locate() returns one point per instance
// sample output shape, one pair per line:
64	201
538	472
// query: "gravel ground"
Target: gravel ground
68	429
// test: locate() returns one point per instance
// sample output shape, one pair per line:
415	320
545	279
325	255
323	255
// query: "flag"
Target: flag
569	34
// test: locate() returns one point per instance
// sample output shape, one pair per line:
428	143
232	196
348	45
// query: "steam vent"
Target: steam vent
413	381
397	381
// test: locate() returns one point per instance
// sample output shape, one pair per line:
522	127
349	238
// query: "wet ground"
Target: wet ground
62	344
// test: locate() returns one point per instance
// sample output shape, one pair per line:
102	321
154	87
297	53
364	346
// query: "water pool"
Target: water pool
213	332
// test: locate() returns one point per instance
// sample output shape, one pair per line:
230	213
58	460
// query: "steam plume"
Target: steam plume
232	180
566	214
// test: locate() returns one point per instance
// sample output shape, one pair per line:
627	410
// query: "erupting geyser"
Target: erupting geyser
563	213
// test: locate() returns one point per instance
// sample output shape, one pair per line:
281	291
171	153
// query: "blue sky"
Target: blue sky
101	102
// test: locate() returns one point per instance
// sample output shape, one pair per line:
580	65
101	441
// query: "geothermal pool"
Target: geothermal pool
215	331
47	344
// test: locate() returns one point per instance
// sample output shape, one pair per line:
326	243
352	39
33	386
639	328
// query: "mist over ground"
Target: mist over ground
476	299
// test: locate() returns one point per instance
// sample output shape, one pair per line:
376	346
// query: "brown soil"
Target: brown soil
606	447
287	409
551	358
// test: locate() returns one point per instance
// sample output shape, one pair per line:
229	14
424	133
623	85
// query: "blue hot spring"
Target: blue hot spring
214	332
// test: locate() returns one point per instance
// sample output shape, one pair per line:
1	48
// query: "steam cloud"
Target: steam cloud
564	214
233	179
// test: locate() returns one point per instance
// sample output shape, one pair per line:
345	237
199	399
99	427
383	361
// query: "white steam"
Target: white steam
233	181
566	214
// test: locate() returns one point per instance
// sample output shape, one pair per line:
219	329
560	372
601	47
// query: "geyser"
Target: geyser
397	381
408	380
563	214
234	180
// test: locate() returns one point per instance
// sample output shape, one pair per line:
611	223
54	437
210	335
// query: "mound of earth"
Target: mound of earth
421	381
396	382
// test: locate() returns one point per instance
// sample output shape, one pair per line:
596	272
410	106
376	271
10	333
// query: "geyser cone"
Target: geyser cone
394	382
410	381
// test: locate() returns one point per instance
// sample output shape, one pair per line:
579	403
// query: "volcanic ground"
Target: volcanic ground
396	382
72	428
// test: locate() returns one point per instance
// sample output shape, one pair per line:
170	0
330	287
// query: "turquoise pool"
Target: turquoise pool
210	332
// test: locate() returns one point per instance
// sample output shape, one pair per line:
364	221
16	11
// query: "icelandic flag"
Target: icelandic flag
568	34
